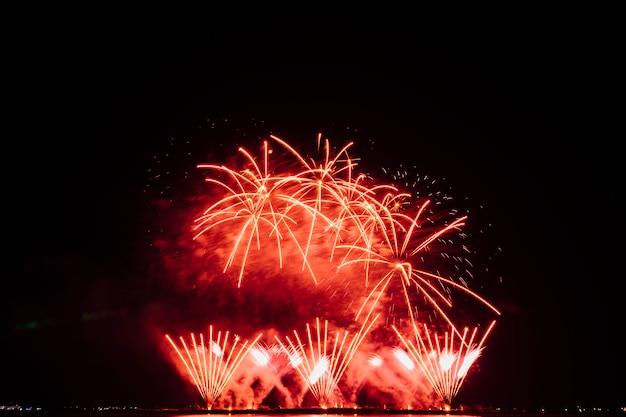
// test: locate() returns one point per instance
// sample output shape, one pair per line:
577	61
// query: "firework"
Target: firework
341	235
320	366
289	209
211	366
275	357
443	359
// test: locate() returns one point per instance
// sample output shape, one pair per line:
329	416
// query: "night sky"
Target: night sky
513	111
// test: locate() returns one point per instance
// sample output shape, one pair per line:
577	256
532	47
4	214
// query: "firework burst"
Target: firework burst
349	249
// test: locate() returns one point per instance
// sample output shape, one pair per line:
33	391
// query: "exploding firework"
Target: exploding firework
347	248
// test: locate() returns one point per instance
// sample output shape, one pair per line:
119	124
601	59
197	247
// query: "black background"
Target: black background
515	107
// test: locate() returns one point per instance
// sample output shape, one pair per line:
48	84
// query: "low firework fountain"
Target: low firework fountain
444	359
360	250
211	365
321	365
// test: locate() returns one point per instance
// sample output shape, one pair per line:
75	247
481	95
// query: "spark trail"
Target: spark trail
445	359
321	367
211	366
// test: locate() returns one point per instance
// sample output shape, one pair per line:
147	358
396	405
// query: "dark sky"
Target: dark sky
515	111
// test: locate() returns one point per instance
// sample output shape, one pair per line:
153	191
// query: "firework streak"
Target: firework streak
211	365
336	228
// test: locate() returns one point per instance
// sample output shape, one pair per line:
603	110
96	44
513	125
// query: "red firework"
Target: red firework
341	230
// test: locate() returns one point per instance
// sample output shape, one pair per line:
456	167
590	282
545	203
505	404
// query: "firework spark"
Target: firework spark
328	227
211	366
288	208
444	359
320	366
275	357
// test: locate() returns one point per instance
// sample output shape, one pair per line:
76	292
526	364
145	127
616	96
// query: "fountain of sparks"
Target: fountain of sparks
444	359
211	366
320	366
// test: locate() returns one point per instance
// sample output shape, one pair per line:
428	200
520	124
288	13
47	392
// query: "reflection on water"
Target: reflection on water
319	415
371	413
